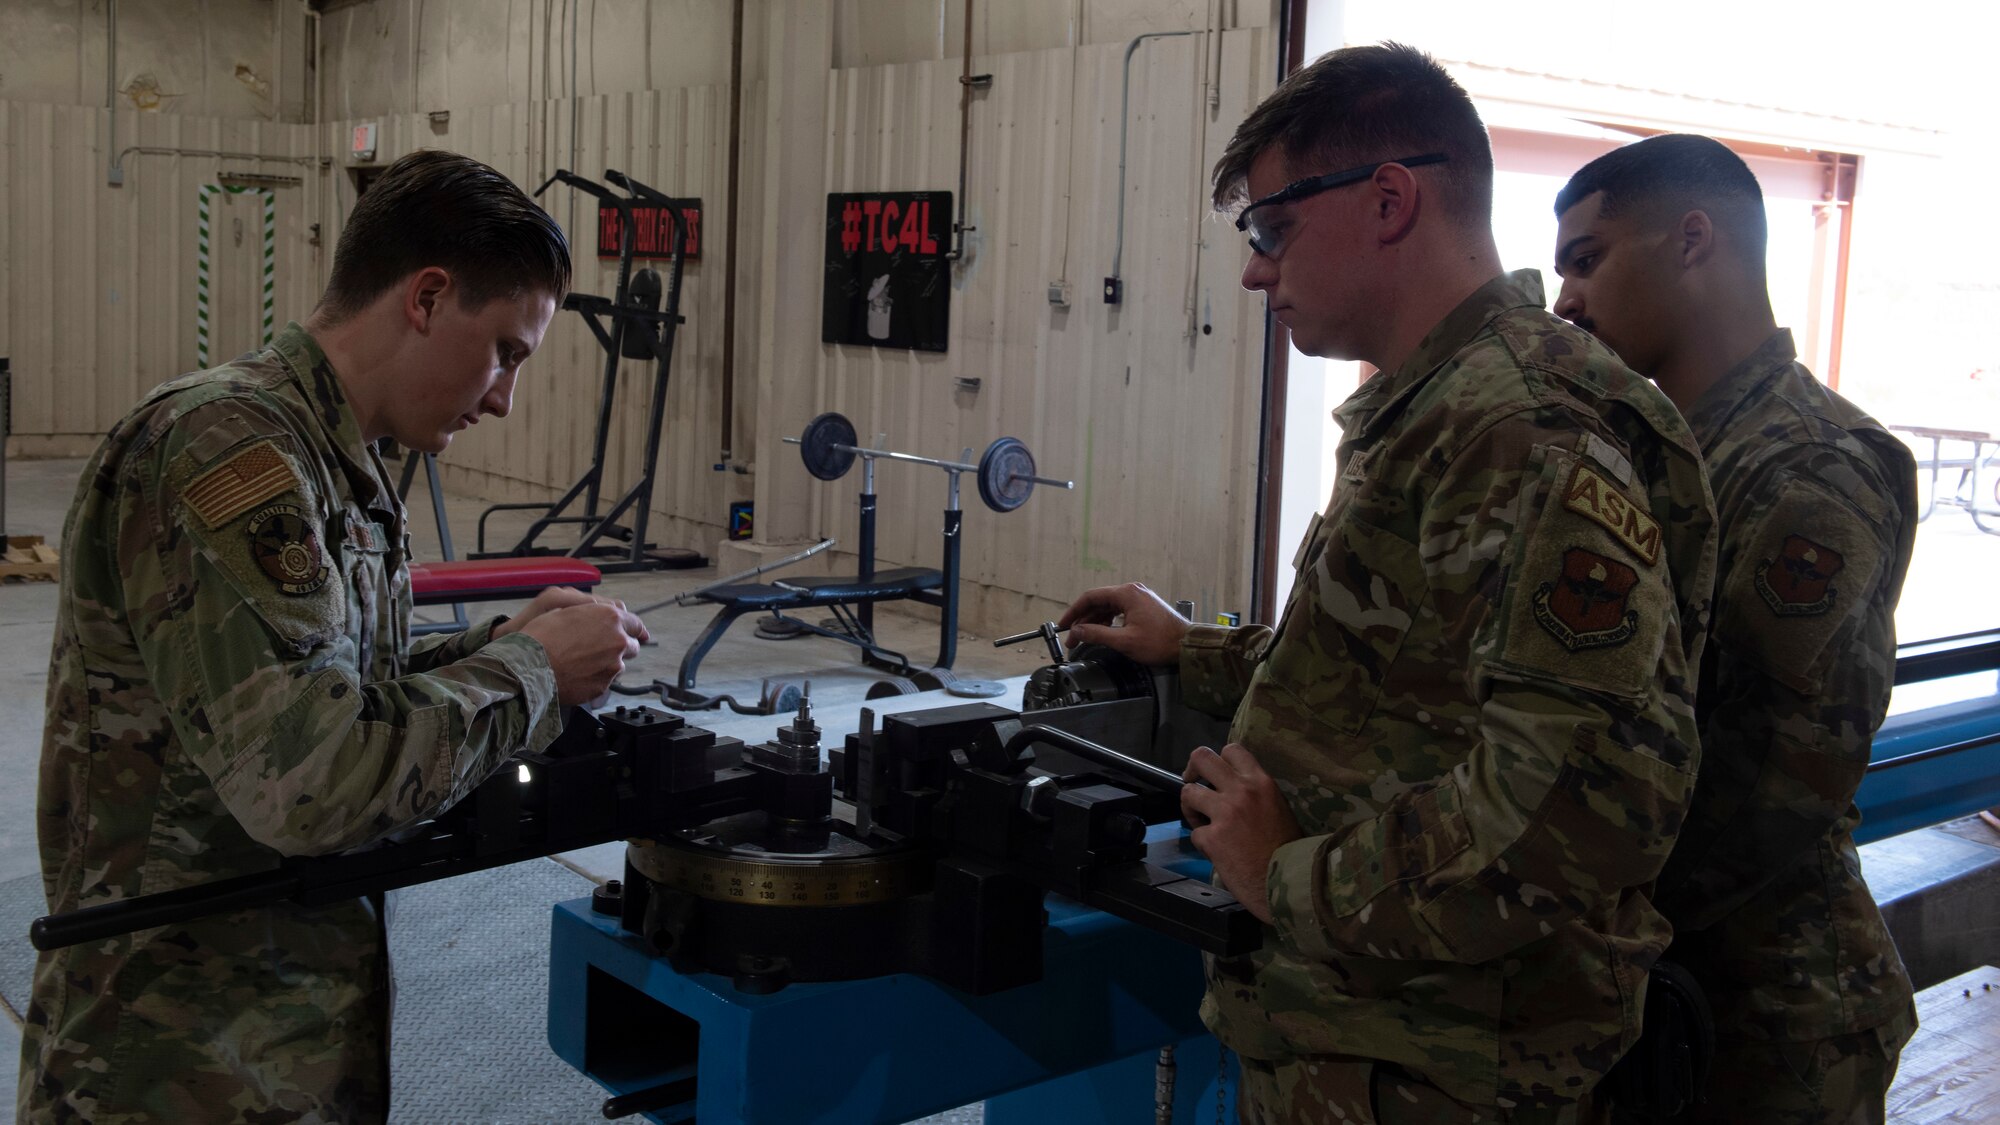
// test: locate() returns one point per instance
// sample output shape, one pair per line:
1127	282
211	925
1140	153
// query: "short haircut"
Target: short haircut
1358	105
1661	178
434	208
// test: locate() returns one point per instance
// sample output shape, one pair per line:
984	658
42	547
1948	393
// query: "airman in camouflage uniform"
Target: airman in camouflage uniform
1475	719
1817	509
232	682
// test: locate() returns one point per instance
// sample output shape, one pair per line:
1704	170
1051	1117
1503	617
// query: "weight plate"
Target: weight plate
976	689
1006	472
816	446
891	687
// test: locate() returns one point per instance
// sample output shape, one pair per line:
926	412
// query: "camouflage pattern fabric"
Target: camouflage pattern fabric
1479	704
1836	1080
233	682
1342	1091
1818	510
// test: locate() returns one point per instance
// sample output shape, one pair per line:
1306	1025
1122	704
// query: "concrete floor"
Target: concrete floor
38	496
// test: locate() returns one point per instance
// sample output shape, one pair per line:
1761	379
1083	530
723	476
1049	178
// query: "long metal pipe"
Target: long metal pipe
964	138
118	165
694	595
1215	69
1095	753
729	234
114	174
1124	127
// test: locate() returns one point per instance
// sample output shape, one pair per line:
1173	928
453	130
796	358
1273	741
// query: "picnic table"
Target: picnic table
1978	474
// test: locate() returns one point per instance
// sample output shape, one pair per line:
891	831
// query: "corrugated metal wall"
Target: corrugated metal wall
97	283
1153	412
1156	423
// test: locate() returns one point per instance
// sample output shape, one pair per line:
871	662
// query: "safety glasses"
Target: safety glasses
1265	236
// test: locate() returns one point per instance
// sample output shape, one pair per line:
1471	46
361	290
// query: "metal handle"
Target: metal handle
1095	752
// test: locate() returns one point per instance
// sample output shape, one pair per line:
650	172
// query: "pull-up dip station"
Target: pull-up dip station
638	329
1006	476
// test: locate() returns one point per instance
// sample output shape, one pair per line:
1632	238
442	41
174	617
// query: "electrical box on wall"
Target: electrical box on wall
361	148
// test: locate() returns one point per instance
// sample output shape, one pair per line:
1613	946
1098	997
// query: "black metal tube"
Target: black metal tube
1934	752
865	569
650	1099
108	920
729	233
964	138
954	518
1976	652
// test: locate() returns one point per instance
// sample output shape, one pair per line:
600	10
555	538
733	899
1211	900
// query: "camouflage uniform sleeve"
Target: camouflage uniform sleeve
432	652
243	621
1216	663
1804	657
1547	573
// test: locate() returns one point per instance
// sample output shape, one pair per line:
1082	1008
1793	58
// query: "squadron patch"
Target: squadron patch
1585	606
1597	499
286	547
239	484
1799	582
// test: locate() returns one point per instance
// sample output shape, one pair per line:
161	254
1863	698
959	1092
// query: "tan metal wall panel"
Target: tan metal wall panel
97	304
1156	425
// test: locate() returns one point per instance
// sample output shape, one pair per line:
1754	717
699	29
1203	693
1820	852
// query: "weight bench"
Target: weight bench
455	582
843	596
1006	477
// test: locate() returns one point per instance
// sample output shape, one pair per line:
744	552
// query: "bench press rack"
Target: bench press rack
1006	477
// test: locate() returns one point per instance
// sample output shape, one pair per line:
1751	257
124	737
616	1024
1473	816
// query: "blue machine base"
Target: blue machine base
1078	1046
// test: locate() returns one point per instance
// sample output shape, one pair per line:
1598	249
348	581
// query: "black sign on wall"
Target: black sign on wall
888	283
652	230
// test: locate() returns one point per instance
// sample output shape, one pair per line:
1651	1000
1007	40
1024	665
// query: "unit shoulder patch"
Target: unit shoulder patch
1803	569
285	546
1585	606
1798	581
1591	496
239	484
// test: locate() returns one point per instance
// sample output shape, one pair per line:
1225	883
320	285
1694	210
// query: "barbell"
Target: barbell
1006	471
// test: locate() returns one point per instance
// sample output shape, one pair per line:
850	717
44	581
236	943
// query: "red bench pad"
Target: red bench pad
436	583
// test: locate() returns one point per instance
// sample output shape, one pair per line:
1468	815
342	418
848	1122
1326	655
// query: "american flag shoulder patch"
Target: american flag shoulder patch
239	484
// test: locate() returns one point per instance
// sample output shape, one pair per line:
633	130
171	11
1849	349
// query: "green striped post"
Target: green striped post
201	264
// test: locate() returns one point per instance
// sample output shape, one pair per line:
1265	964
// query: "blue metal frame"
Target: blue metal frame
889	1048
1931	766
1078	1046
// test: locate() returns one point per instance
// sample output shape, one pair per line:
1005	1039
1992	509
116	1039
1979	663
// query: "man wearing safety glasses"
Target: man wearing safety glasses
1463	754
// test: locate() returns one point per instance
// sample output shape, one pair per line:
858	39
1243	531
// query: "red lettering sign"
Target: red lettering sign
652	230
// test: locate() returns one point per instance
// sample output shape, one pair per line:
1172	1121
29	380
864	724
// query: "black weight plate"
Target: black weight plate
891	687
816	446
1005	470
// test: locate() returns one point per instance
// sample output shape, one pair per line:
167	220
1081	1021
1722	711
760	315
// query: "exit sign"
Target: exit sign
363	145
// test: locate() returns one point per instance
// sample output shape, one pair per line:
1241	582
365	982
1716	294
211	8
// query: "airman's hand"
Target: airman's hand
1150	634
588	645
1240	819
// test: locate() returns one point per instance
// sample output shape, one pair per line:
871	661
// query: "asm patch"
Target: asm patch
285	546
1585	606
1595	498
239	484
1799	582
